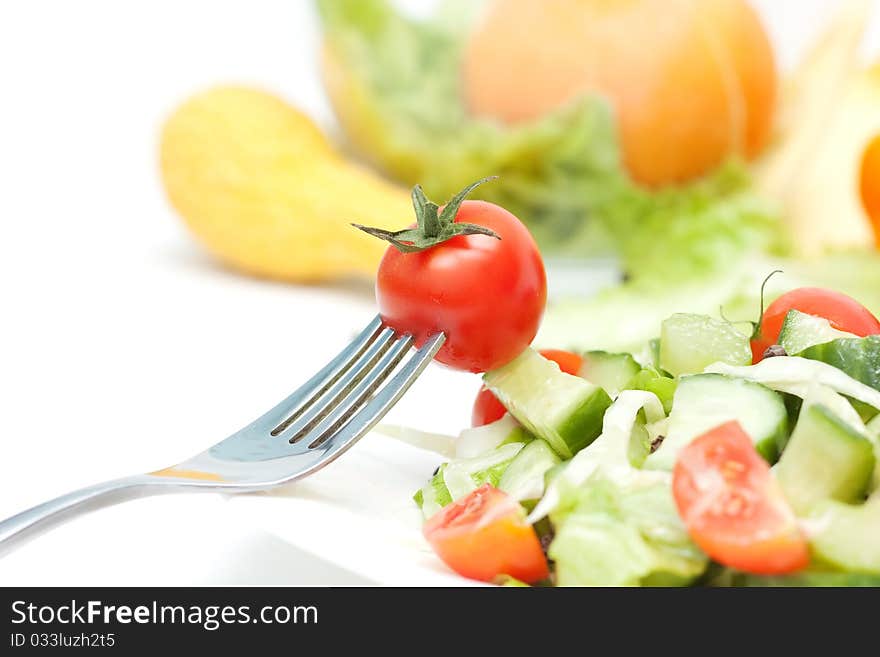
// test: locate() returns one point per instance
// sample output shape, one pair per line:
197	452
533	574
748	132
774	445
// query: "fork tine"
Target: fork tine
324	401
368	416
307	393
357	395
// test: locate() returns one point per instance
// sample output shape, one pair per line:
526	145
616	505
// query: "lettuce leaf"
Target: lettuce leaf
615	524
622	535
394	83
733	288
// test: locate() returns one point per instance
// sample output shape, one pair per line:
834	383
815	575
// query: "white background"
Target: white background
122	347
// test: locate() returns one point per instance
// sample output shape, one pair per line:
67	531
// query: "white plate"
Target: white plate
358	514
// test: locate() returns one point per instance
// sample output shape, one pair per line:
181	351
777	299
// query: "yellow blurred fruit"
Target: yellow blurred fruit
260	186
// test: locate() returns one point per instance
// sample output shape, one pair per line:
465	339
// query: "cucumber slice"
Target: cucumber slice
825	458
857	357
811	578
800	331
703	401
564	410
847	536
797	376
689	343
653	381
480	440
610	371
524	477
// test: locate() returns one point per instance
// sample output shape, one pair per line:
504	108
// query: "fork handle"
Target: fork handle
29	523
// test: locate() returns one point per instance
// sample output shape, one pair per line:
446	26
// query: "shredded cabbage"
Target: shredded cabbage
796	375
610	451
815	393
458	473
479	440
433	442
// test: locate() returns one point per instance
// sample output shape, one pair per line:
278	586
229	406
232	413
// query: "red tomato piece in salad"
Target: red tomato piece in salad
488	409
484	535
843	312
732	506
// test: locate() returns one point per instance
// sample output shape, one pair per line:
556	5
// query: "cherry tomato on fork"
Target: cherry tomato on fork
469	269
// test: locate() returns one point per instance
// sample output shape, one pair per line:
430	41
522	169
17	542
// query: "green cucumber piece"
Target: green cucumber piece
846	536
703	401
524	477
653	381
866	411
481	440
825	458
564	410
689	343
857	357
800	331
610	371
811	578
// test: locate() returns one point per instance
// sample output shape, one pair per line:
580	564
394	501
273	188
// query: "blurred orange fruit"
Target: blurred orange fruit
869	184
691	81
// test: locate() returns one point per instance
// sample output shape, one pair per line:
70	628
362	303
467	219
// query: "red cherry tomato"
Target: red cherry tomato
485	534
733	507
488	409
869	185
844	313
486	294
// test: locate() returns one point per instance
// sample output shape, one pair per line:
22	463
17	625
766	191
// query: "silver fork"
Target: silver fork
300	435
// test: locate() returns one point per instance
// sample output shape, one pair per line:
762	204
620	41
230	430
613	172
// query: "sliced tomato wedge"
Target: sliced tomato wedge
732	506
488	409
484	535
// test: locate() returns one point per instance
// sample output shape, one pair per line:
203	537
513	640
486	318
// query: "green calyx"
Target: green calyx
756	326
433	226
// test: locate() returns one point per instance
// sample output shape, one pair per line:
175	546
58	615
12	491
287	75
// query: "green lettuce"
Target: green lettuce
395	86
611	534
395	83
731	291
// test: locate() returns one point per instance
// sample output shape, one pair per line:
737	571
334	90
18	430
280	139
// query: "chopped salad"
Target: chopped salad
708	457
